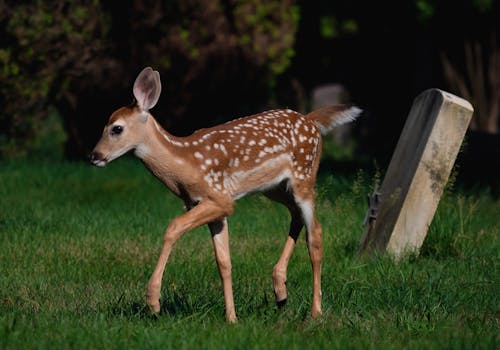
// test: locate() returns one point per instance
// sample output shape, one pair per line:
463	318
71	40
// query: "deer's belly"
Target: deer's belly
259	178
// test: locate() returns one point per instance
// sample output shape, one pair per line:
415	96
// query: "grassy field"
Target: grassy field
77	246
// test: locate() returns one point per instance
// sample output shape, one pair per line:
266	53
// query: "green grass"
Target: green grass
77	245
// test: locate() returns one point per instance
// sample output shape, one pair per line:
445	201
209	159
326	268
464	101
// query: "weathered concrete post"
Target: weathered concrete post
419	169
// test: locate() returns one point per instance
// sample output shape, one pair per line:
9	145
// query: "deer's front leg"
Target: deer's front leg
220	239
203	213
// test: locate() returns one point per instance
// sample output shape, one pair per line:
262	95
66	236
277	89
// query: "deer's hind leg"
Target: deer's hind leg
280	269
305	200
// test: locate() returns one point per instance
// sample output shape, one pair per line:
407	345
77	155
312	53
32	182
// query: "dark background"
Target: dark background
66	65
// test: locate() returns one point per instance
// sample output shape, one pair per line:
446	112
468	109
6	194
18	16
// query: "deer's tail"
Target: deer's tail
327	118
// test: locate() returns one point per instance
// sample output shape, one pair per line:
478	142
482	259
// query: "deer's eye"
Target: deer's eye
116	130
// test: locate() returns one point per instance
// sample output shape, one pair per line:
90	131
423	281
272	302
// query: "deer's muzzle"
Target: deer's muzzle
97	159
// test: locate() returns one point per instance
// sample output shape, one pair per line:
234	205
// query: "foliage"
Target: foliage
45	46
75	259
220	59
217	57
74	55
426	9
479	84
331	28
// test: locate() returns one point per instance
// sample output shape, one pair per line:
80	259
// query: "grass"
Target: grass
77	245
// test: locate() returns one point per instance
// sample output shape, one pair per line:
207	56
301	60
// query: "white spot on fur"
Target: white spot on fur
208	179
223	149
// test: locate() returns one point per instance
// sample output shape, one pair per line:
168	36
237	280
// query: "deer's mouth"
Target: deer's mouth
100	163
97	159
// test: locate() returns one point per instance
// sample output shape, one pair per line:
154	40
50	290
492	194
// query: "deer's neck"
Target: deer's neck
162	153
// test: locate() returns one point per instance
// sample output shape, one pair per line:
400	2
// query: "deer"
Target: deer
275	153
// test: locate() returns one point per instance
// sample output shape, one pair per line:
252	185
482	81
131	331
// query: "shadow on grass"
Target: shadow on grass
351	248
173	304
131	309
182	306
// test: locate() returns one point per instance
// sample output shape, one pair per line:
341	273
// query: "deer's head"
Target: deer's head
126	128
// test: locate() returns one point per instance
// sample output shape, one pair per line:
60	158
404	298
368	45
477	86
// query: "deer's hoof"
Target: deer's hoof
281	303
316	313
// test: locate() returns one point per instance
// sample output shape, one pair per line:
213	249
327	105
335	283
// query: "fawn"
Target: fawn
275	152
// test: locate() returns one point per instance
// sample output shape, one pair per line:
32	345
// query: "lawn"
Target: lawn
77	246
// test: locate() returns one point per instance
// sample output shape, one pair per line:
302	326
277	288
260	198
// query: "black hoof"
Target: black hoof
281	303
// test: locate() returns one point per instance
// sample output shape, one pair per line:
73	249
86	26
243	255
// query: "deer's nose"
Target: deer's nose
95	157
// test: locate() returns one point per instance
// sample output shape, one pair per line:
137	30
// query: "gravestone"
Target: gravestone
402	209
329	95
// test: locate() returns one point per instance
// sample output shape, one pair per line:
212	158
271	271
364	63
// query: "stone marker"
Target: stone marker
402	209
329	95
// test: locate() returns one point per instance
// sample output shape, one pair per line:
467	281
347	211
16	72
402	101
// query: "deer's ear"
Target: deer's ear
147	88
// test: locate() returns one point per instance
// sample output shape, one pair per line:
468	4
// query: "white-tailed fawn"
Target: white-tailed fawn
275	152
